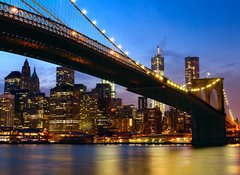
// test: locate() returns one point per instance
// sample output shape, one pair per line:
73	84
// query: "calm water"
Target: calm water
118	160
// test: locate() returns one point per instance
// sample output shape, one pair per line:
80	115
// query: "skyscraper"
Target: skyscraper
6	110
26	76
65	76
34	82
158	62
142	103
191	70
12	82
158	67
64	109
113	87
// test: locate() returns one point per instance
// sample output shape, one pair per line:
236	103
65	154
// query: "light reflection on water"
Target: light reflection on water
118	160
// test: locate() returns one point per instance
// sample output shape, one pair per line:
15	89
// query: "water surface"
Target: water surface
118	160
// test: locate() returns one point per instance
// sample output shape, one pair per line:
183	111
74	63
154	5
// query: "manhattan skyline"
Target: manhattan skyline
185	29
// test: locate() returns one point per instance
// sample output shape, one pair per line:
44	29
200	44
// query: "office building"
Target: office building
35	85
64	76
6	110
157	64
191	70
26	76
12	82
142	103
113	87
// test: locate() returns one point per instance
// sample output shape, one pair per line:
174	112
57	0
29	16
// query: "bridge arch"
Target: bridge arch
210	90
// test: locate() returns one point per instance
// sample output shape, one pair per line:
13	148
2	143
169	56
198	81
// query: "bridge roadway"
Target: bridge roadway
28	34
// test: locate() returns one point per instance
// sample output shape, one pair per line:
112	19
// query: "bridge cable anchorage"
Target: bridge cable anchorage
228	105
45	10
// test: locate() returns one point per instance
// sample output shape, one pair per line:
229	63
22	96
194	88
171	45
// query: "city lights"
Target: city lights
71	109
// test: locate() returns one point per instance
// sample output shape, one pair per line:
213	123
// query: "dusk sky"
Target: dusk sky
207	29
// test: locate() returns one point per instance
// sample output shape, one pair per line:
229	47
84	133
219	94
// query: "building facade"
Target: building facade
6	110
142	103
64	76
113	87
12	82
191	70
157	65
26	76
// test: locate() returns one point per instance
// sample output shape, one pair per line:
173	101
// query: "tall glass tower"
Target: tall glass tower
157	63
191	70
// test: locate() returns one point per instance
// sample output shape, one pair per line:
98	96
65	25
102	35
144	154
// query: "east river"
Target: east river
118	160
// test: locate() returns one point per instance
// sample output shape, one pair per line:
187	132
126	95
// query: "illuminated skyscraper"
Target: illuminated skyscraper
6	110
113	87
12	81
191	70
26	76
35	82
158	68
158	62
36	111
65	76
64	108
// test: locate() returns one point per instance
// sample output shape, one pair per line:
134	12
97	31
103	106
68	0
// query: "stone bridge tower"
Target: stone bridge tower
203	88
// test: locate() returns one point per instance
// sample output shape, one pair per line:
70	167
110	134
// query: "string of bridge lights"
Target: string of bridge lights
126	53
148	71
102	31
227	103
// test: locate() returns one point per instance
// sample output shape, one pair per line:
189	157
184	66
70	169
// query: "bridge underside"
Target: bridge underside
24	39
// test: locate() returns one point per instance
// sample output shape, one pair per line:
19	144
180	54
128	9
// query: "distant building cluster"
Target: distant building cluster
70	108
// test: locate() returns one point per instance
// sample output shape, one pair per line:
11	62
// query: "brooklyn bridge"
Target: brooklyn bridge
44	36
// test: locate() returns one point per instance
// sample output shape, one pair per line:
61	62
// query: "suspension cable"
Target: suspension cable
45	10
31	7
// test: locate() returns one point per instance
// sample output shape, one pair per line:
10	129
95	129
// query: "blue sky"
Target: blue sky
208	29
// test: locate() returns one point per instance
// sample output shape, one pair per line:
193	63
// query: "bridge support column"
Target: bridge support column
208	129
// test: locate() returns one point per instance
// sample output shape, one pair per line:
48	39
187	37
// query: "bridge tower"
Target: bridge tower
208	128
205	87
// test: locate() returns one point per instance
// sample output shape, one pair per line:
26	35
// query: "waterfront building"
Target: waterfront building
103	92
36	111
89	112
178	121
64	109
139	121
21	98
153	121
6	110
